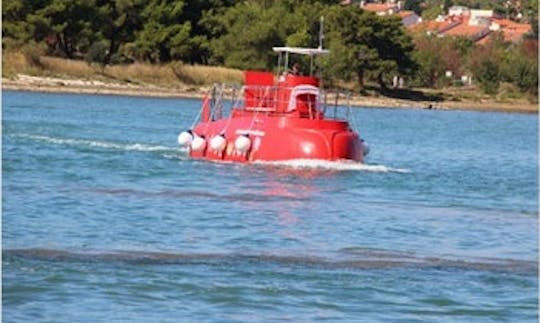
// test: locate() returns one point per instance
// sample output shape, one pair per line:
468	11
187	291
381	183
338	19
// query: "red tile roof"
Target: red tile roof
378	7
405	13
437	26
502	22
473	32
459	26
514	35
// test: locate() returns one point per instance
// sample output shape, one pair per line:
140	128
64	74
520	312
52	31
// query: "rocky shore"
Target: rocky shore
59	85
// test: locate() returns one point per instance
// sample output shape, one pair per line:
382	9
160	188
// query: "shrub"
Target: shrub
525	77
32	53
98	53
488	76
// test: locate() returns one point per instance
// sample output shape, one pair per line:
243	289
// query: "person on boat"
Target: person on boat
295	70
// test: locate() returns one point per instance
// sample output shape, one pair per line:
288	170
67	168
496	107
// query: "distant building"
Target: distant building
512	31
461	21
480	17
409	18
436	27
465	29
380	9
458	11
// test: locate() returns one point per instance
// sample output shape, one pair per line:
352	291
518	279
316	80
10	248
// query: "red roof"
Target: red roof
507	23
459	26
405	13
473	32
378	7
437	26
512	31
514	35
502	22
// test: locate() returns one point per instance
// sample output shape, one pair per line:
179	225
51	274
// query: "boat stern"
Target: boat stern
347	145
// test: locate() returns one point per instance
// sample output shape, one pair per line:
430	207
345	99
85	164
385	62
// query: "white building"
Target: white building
458	11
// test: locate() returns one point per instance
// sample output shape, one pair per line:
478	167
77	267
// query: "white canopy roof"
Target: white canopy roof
301	50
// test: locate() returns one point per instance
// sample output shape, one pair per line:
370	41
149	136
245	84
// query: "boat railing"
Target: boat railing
307	102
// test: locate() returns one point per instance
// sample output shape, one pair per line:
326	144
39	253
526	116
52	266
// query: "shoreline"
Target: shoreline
73	86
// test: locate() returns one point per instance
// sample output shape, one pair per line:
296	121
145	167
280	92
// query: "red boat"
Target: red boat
274	118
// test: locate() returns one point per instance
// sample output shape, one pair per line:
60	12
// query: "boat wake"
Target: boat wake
167	150
367	259
340	165
173	152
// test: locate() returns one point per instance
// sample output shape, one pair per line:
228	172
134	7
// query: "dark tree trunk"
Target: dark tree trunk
59	45
380	80
67	47
111	49
112	46
360	75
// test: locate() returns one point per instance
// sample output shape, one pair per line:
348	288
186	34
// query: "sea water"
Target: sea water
105	218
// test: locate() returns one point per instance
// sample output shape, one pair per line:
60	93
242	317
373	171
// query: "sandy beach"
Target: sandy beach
60	85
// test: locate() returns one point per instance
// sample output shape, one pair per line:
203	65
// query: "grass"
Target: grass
204	75
141	73
53	66
167	75
14	63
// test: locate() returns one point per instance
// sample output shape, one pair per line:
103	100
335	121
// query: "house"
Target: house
458	11
511	30
465	29
438	26
409	18
461	21
480	17
380	9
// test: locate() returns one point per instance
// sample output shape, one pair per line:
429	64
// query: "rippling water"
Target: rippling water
106	219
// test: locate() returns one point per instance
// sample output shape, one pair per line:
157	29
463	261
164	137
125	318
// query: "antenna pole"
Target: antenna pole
321	32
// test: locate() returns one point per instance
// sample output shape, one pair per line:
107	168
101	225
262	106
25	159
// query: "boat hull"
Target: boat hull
279	138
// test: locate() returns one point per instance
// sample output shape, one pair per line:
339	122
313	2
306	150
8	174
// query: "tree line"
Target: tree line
240	34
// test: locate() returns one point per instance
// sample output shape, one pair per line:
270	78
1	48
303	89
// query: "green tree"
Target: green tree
363	44
305	24
413	5
488	76
520	66
202	15
486	62
531	13
432	12
69	25
14	20
250	30
117	22
430	60
165	35
436	55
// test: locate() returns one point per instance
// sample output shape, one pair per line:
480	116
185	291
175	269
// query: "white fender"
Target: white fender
365	147
198	143
242	143
218	143
185	138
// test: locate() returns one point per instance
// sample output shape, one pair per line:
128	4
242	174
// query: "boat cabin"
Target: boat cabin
285	93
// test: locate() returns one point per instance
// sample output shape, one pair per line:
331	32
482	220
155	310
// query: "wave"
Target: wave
176	152
339	165
101	144
183	194
366	259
